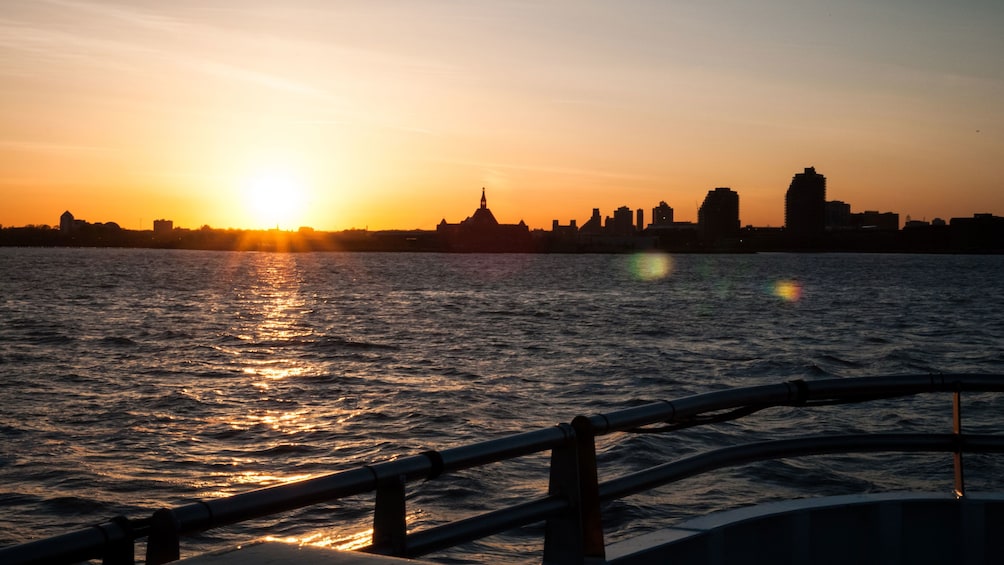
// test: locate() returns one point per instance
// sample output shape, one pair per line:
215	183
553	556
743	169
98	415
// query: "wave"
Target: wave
288	449
335	343
47	337
71	505
119	342
433	360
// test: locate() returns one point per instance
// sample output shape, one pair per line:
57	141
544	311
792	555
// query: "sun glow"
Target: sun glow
275	198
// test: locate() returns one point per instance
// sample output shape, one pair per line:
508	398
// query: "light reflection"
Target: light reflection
274	299
270	324
790	291
221	485
294	421
651	266
264	479
341	541
274	319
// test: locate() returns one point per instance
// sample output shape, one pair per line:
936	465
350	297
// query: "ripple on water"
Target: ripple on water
141	378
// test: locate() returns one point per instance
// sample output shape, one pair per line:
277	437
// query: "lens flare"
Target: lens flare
788	290
651	266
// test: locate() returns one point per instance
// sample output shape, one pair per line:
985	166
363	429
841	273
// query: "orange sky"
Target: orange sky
393	114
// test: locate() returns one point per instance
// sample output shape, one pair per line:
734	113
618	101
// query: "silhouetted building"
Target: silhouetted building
840	218
805	205
569	231
888	221
982	232
718	217
66	222
662	215
482	232
594	225
622	222
163	226
838	215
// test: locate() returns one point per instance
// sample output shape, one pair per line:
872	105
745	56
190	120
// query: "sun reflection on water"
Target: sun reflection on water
270	318
223	484
342	540
350	541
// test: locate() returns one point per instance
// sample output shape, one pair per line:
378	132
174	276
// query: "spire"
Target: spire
484	201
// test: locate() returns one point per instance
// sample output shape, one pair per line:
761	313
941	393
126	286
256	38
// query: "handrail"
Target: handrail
571	508
667	473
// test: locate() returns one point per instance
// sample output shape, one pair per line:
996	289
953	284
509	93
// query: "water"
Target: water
134	379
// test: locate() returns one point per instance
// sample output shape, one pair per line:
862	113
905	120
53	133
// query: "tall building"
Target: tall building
718	216
594	225
622	223
838	215
662	215
805	204
66	222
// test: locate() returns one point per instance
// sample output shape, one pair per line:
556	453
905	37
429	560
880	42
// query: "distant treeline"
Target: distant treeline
980	234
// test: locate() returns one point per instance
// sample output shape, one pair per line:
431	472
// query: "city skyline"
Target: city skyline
386	115
648	212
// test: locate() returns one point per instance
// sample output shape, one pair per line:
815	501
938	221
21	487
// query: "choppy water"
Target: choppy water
133	379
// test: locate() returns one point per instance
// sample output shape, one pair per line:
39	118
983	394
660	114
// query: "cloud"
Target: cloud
87	38
493	168
36	146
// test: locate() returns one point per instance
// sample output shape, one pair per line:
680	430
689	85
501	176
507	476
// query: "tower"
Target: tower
805	204
66	224
718	217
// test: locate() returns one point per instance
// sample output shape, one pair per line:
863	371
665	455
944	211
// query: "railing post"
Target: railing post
589	488
563	534
960	481
577	537
120	543
163	545
390	527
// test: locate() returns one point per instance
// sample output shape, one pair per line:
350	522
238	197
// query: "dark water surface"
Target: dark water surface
134	379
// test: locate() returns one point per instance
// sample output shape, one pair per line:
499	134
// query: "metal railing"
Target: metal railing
571	509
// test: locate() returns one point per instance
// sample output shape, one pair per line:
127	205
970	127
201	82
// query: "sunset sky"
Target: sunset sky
393	114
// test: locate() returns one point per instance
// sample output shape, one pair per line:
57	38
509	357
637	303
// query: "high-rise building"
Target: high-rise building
838	215
66	224
718	217
662	215
622	223
805	204
594	225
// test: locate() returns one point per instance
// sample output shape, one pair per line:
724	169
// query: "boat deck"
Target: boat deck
279	553
879	529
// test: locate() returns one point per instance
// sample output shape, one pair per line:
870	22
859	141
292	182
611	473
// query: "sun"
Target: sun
274	198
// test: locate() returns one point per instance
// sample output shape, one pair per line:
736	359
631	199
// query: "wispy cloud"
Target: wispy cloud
495	167
86	42
41	146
